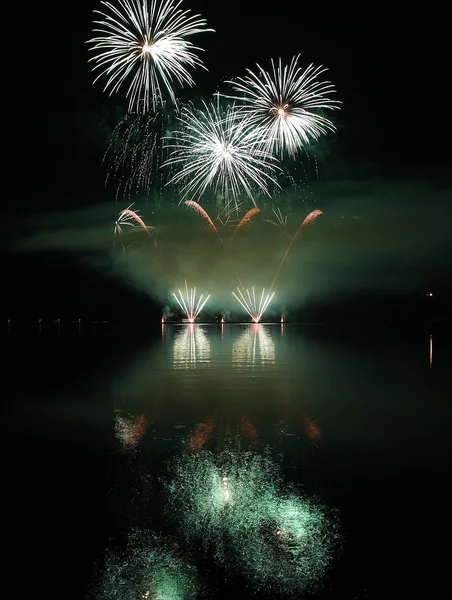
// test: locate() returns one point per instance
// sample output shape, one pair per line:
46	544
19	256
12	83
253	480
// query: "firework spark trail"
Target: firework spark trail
188	304
250	305
199	209
145	41
134	155
246	219
280	104
306	222
129	218
132	214
280	222
218	149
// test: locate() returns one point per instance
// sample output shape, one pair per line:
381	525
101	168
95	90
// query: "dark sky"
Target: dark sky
387	61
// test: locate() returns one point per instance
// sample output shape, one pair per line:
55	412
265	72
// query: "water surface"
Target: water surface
259	460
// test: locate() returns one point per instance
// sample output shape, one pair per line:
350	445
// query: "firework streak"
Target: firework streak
199	209
246	219
188	304
250	305
307	221
144	44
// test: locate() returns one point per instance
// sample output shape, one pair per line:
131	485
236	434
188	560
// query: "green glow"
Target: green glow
146	569
235	503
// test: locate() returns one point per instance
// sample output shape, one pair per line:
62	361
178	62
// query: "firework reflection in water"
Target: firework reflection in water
248	300
129	430
191	347
188	305
146	568
253	345
236	505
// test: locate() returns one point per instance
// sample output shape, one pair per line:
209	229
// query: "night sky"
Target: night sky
387	63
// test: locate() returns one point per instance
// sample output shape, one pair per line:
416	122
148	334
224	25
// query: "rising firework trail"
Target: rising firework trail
142	44
199	209
246	219
306	222
283	104
217	149
188	305
248	300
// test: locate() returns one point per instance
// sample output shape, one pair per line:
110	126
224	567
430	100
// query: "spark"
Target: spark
248	300
134	154
280	220
130	218
305	223
199	209
236	505
147	568
282	103
191	347
246	219
190	308
130	430
254	346
201	434
142	44
215	149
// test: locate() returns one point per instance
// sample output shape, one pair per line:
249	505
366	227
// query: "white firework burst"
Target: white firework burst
218	150
143	44
284	104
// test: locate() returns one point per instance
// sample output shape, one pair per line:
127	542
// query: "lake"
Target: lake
204	461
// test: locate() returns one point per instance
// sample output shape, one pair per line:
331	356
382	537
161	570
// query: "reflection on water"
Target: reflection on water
129	429
191	347
221	490
147	568
228	425
255	345
237	506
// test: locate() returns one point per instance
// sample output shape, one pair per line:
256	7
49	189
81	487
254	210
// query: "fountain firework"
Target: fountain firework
248	301
190	308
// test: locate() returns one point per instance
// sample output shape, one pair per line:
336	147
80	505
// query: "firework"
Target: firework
235	505
218	150
129	430
281	104
246	219
248	300
280	222
133	157
147	568
305	223
129	218
191	348
254	347
142	44
189	306
199	209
